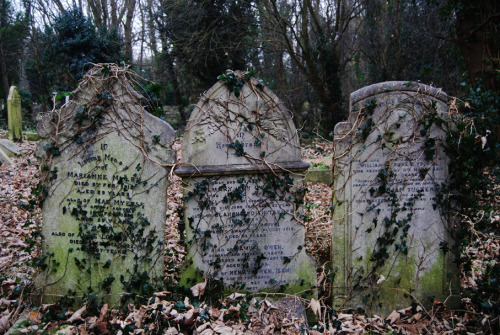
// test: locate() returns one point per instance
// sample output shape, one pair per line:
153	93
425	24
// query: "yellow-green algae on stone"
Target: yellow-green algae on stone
105	207
242	173
389	233
15	122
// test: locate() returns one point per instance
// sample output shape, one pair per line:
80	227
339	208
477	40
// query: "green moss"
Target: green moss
434	279
399	282
32	136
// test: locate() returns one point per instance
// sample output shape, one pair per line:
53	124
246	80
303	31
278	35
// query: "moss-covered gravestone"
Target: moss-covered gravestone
241	164
15	122
105	162
392	219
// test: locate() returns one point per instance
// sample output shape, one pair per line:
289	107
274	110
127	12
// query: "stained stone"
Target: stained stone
4	158
242	167
392	221
32	137
106	163
9	148
15	122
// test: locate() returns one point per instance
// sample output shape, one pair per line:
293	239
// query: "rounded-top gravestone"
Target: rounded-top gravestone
392	221
242	167
105	163
15	122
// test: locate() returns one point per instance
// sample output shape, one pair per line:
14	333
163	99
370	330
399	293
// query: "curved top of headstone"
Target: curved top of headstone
382	93
13	93
399	86
105	102
239	125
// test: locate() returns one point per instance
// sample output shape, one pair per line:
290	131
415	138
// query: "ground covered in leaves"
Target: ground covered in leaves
199	312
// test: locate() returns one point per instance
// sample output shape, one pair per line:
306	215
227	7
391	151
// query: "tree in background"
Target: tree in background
13	31
313	34
66	49
478	37
405	40
204	38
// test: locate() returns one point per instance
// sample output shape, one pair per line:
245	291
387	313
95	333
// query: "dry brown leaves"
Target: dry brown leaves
318	150
237	314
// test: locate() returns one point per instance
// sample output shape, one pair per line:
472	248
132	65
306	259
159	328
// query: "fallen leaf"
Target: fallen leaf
4	323
35	316
104	312
199	289
77	316
235	296
101	328
393	317
315	306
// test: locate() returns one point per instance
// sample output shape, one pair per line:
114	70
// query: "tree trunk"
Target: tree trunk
476	27
127	28
3	68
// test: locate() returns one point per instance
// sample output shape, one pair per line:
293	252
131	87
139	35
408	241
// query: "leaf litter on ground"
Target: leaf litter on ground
236	314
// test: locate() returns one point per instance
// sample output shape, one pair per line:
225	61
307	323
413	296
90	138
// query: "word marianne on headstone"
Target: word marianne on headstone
241	164
391	229
106	161
15	123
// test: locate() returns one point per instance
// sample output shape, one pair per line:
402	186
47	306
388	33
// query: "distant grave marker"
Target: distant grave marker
106	163
15	122
391	229
241	164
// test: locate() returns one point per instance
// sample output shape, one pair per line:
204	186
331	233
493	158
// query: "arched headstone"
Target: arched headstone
14	116
241	163
391	227
106	163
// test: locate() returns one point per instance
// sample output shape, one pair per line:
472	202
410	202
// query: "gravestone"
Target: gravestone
9	148
105	162
15	122
4	158
391	222
242	167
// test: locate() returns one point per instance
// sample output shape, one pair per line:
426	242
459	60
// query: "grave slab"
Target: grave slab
9	148
242	167
4	158
392	222
105	163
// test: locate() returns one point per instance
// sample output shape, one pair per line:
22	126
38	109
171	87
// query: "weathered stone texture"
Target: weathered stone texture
392	223
107	162
242	168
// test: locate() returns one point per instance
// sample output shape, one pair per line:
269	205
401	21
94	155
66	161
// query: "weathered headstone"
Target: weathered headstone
4	158
15	122
240	163
391	229
106	167
11	149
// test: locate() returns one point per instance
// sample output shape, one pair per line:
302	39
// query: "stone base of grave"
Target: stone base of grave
4	158
9	148
318	176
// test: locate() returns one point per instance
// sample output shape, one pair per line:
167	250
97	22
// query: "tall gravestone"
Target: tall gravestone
242	167
391	222
14	116
106	162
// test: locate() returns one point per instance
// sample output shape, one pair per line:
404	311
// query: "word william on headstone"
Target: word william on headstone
391	228
106	163
14	116
240	163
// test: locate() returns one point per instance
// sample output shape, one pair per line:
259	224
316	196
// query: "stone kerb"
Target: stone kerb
392	222
105	164
242	167
15	123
